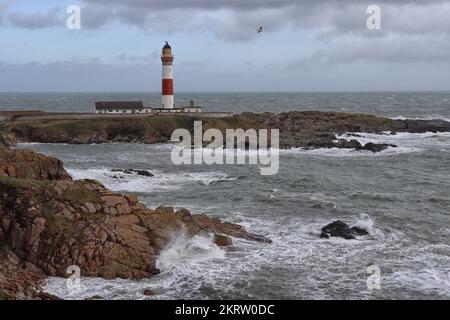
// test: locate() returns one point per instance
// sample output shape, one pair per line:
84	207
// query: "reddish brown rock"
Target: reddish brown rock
19	280
30	165
222	240
110	239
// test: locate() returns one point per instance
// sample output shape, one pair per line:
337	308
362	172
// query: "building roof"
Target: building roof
119	105
167	46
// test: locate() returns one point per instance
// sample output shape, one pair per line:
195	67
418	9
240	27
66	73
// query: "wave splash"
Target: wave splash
183	249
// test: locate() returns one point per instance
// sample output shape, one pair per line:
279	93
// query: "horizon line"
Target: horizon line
230	91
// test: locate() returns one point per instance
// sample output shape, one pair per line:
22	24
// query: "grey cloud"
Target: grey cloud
238	4
3	8
192	63
133	58
393	49
413	30
77	74
51	18
238	19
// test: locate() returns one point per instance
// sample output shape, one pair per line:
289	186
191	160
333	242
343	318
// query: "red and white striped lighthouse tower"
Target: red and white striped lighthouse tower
168	101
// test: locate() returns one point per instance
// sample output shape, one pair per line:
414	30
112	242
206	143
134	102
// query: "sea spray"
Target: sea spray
183	248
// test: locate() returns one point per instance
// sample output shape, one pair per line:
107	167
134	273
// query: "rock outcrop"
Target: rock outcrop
298	129
50	222
27	164
342	230
139	172
313	129
56	224
18	279
222	241
7	140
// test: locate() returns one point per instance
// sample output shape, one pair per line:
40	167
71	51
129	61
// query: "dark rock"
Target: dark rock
377	147
148	293
352	144
358	231
222	240
342	230
144	173
353	135
337	229
48	296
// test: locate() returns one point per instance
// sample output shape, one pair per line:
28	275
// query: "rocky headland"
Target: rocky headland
49	222
308	129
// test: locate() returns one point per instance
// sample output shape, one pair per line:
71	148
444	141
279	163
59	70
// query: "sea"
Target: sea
401	196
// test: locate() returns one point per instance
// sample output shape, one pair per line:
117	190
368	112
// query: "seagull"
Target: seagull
259	30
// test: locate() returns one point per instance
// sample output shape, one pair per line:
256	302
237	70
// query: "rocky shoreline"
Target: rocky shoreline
49	222
308	129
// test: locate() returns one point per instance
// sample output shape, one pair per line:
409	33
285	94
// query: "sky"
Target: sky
306	45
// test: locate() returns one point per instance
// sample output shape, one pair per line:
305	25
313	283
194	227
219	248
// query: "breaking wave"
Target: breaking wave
190	266
161	181
183	249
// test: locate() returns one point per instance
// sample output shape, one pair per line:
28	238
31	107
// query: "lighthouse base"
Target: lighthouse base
168	102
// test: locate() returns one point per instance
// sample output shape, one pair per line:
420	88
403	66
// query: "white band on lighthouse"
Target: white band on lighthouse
168	102
167	72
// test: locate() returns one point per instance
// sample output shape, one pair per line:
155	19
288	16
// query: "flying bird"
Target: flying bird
259	30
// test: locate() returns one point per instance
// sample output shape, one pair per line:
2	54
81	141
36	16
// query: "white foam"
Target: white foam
365	222
183	249
428	281
315	268
340	152
423	118
406	142
161	181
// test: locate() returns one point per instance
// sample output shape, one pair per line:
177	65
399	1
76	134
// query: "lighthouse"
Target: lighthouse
168	101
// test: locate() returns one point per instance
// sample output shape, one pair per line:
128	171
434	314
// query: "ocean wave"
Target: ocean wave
406	142
182	249
428	281
312	268
161	181
339	152
422	118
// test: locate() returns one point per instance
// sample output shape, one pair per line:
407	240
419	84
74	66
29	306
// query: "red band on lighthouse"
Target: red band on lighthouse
167	87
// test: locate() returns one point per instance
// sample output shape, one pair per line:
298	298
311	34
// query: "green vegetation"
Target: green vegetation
147	130
36	185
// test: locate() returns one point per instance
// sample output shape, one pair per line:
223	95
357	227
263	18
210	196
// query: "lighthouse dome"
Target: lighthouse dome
167	46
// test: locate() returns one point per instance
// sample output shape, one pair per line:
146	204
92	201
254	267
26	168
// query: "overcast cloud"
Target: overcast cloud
413	31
